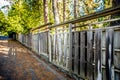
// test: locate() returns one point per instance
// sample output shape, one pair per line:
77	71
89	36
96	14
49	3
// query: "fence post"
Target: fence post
110	54
70	47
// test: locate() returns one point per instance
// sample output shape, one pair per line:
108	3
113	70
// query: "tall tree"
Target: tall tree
64	10
3	23
55	11
45	4
75	8
25	14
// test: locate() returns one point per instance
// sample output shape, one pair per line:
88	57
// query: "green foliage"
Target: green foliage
22	16
3	23
26	14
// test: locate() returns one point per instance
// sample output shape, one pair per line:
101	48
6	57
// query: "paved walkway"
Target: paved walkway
18	63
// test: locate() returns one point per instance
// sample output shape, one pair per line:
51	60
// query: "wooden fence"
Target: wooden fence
91	54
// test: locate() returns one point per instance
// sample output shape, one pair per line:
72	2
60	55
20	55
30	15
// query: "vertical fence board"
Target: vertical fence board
39	43
54	47
46	50
60	47
82	54
73	51
38	39
109	54
42	43
65	49
57	49
70	47
76	46
98	53
79	43
30	40
89	54
50	46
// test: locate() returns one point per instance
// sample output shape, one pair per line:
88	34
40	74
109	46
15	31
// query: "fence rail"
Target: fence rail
91	54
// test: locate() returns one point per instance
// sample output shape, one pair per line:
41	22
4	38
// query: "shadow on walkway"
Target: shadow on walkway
8	65
19	63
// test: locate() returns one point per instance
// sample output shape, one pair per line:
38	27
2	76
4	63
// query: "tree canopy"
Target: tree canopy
26	14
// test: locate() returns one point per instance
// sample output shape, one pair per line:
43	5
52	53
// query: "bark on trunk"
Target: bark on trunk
75	13
55	11
45	11
64	11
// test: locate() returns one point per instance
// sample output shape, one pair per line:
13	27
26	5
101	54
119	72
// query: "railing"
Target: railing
90	53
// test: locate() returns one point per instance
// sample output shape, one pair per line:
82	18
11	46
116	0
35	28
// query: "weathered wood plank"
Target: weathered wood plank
73	51
76	46
85	54
44	42
68	51
82	54
90	54
30	40
54	47
110	54
50	46
70	47
39	48
98	54
60	48
79	39
65	49
37	45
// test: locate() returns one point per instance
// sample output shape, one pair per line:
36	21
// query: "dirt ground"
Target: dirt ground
18	63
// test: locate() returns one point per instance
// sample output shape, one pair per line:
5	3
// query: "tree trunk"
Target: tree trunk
55	11
45	11
75	9
64	10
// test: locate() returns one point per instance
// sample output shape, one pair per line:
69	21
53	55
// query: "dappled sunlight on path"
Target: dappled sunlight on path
18	63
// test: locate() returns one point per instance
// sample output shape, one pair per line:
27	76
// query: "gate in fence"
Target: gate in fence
92	53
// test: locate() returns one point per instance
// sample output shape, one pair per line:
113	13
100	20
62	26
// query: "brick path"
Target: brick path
18	63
